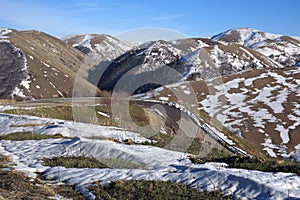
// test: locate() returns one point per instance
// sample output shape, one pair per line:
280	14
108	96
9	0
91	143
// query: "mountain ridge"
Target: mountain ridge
226	53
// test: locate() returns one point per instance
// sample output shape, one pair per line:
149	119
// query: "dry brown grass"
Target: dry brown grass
15	185
27	125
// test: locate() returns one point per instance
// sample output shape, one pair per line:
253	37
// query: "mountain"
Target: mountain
34	64
282	49
218	60
99	46
229	52
103	49
193	58
139	63
44	66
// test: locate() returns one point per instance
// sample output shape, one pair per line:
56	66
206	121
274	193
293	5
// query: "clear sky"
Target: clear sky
197	18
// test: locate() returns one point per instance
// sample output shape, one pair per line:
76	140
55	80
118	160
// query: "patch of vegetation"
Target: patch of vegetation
215	154
163	139
144	190
89	162
27	125
103	120
66	191
15	185
122	164
5	101
195	146
65	112
74	162
57	112
3	161
138	115
267	165
19	136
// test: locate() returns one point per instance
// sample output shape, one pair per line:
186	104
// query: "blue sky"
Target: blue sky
194	18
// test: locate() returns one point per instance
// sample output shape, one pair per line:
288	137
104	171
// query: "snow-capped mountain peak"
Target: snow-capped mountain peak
282	49
100	46
244	36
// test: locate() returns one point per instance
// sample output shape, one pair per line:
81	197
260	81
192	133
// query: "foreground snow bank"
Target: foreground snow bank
160	164
23	123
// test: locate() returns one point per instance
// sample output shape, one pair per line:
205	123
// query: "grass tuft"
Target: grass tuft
19	136
74	162
144	190
266	165
89	162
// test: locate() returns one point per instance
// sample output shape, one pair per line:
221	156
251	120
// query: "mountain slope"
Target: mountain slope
282	49
217	60
46	66
261	105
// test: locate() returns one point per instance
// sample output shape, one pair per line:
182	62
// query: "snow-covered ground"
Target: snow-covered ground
18	123
160	164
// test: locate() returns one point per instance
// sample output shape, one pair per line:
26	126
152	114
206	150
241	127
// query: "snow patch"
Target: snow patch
4	32
31	57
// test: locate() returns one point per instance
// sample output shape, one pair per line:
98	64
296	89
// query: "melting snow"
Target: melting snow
160	164
164	98
31	57
45	64
66	128
103	114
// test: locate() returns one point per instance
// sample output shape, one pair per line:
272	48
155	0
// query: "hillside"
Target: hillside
37	65
259	105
